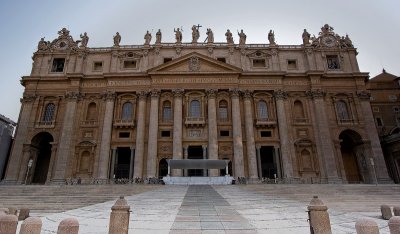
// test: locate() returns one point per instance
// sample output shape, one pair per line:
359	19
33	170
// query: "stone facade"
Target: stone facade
298	113
385	96
6	135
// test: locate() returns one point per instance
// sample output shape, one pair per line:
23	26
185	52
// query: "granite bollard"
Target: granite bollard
31	225
394	225
68	226
119	218
386	212
3	211
12	211
396	211
23	214
8	224
366	226
319	217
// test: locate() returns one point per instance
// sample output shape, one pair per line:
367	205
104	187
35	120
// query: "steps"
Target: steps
42	199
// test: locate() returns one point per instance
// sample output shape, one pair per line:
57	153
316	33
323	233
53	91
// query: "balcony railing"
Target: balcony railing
195	121
300	120
265	122
346	121
124	123
45	124
89	123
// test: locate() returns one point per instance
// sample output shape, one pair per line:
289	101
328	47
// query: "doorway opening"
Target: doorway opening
122	163
42	144
162	168
349	142
195	152
268	162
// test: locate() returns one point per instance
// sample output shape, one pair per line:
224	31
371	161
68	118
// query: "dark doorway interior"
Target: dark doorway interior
195	152
349	140
268	164
162	168
122	163
42	143
222	172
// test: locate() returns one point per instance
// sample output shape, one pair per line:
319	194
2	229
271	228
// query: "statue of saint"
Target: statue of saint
242	37
158	36
85	39
306	37
210	36
229	38
43	45
347	41
271	37
178	35
147	38
195	34
117	39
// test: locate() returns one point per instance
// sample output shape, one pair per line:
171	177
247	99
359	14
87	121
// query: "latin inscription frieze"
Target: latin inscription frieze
263	81
185	80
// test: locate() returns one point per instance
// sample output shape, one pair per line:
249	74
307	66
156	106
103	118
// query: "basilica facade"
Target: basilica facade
297	113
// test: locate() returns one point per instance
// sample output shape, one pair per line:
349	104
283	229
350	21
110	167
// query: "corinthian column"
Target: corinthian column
177	135
15	161
376	150
153	132
250	143
280	97
325	139
237	134
212	129
140	132
104	156
64	149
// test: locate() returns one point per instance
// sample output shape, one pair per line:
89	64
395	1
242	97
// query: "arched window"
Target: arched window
298	110
127	111
167	112
91	111
49	112
195	109
262	110
223	110
342	110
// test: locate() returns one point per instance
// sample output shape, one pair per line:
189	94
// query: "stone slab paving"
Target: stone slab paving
209	209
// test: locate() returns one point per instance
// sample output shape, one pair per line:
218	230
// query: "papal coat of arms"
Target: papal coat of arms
194	64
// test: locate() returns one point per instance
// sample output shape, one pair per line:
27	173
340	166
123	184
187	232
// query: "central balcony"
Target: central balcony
265	123
124	123
195	122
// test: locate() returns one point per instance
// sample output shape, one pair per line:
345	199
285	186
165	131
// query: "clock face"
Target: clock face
329	41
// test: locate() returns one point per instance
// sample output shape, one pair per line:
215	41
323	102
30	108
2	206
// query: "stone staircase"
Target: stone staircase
45	199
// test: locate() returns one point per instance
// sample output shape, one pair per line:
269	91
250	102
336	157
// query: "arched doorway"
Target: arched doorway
350	147
162	168
41	142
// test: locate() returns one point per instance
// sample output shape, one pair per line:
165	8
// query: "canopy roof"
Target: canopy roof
197	164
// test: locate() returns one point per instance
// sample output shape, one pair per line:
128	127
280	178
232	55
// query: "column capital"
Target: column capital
178	92
108	96
142	94
364	95
247	94
211	93
280	94
235	93
155	93
26	98
72	96
316	93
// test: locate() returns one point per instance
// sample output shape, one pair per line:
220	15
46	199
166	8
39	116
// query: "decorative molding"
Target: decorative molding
27	98
73	96
155	93
247	94
235	93
109	96
211	93
280	94
364	95
178	92
316	93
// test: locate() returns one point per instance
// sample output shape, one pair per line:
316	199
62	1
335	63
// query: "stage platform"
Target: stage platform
197	180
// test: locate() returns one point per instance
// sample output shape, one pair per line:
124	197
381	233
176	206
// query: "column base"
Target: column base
57	182
334	180
385	181
10	182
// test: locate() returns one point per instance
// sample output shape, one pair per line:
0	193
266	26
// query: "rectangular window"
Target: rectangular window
266	133
222	60
166	60
58	65
224	133
379	122
165	133
333	62
124	134
259	63
97	66
130	64
292	64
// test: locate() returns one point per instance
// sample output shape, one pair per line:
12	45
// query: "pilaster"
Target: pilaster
140	133
212	129
237	134
153	133
250	143
177	135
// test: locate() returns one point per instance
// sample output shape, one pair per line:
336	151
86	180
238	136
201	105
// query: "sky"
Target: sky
373	26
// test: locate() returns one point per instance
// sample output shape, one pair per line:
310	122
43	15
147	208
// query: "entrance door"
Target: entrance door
42	143
195	152
162	168
268	164
122	163
349	140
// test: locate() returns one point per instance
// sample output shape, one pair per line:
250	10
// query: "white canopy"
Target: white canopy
197	164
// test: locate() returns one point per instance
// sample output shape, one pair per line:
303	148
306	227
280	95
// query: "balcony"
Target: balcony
265	123
300	121
195	121
124	123
45	124
89	123
346	121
